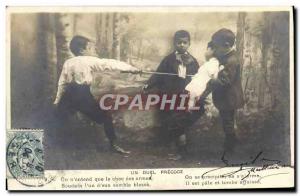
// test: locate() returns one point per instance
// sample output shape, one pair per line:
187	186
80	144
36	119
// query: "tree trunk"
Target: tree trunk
263	45
64	32
240	37
102	42
51	72
116	36
109	34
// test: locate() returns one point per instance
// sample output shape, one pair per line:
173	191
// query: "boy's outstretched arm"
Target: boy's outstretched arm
112	64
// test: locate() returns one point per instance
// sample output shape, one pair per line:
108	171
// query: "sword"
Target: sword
154	72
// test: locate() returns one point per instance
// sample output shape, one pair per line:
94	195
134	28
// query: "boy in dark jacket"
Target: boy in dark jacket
227	88
182	63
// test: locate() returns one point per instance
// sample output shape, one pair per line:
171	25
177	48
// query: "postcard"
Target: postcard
150	98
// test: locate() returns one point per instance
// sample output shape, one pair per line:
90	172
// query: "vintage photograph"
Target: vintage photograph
150	88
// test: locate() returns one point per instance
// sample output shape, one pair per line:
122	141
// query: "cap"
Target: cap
223	37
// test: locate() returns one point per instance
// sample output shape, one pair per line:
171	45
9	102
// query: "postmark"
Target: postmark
25	157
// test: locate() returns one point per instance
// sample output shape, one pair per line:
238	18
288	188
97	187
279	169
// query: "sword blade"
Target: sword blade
163	73
155	72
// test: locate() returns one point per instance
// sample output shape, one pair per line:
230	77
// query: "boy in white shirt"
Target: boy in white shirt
74	93
209	70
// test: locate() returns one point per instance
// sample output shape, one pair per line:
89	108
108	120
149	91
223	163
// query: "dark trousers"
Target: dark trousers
79	98
227	117
178	122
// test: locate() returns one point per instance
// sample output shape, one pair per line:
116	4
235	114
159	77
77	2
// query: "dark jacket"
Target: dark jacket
228	93
173	84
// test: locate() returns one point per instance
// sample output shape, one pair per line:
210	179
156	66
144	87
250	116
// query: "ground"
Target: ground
85	147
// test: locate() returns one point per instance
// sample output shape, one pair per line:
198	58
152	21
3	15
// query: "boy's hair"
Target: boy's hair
78	43
181	34
223	37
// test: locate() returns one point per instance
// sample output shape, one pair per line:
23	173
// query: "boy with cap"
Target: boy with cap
182	63
227	91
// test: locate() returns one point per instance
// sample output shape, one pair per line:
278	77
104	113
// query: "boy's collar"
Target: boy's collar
230	51
227	53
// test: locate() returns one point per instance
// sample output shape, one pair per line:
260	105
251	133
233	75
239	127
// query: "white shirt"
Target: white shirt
181	68
207	71
79	70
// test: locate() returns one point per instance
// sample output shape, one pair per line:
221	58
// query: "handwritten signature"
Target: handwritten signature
267	164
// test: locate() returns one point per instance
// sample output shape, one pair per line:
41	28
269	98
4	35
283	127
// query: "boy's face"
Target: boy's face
182	44
221	50
209	53
90	49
